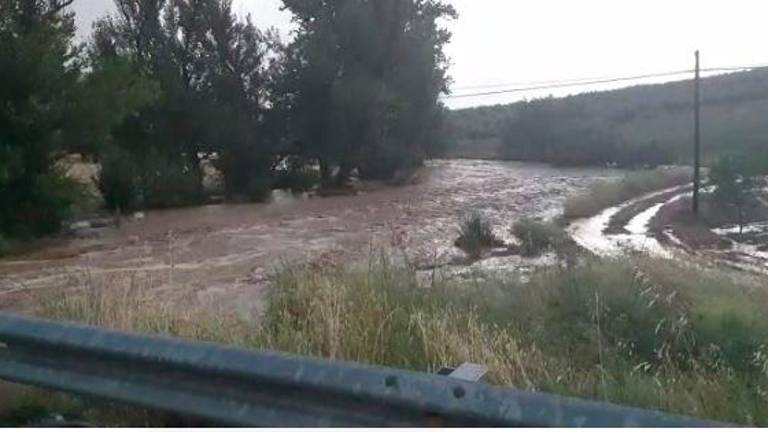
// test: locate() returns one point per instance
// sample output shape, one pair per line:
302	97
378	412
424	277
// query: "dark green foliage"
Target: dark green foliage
297	174
539	237
757	162
259	189
39	72
40	205
166	182
635	127
211	72
117	181
166	84
734	186
49	202
560	134
48	108
5	245
113	90
476	234
360	84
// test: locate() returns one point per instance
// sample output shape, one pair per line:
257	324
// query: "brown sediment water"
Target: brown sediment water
225	253
591	233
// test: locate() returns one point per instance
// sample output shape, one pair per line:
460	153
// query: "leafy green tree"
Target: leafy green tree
39	76
211	71
50	107
38	70
361	82
162	138
734	187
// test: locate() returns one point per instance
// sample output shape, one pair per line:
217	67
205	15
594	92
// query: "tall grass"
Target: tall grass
645	333
476	234
538	237
610	193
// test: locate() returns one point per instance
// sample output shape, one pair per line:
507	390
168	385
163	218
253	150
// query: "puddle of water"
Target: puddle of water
743	255
753	228
639	224
590	234
501	267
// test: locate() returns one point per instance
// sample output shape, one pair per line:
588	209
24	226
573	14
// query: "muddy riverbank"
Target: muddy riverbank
225	253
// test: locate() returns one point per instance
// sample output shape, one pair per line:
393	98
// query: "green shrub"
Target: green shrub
729	328
259	189
734	188
611	306
538	237
42	205
117	181
5	246
164	183
475	234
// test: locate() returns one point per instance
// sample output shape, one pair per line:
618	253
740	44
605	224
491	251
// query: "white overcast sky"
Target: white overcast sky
524	41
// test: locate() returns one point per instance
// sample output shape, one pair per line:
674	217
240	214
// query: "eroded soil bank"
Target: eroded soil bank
224	253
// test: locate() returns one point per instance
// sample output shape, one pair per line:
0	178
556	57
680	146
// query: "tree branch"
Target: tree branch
56	6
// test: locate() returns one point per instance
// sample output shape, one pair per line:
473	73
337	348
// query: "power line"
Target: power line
529	83
581	80
568	84
573	83
734	68
553	82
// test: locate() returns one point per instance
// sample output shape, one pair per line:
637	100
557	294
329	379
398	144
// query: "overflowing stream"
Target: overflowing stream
225	253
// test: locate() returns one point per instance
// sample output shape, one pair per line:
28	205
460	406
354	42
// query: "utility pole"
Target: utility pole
696	138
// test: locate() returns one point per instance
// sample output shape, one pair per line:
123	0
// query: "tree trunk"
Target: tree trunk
741	223
326	173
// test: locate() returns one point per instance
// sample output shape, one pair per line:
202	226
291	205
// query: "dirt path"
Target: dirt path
661	224
625	227
225	253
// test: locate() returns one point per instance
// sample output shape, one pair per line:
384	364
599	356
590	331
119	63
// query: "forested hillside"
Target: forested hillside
642	125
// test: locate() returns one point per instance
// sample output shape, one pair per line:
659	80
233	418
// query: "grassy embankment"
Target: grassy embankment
610	193
645	333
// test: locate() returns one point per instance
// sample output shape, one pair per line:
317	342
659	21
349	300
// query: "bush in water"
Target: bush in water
476	234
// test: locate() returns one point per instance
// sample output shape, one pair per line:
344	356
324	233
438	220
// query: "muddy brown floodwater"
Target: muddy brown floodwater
225	253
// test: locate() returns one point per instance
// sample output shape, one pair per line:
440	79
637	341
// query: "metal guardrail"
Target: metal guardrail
230	386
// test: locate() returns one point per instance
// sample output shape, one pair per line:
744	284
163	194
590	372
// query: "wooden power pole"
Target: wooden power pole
696	138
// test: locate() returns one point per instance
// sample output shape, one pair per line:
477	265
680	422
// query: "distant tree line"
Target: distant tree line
566	134
164	87
634	127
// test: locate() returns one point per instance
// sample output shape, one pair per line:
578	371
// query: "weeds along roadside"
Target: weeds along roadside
641	332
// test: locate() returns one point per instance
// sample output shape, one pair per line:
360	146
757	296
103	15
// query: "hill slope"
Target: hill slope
642	125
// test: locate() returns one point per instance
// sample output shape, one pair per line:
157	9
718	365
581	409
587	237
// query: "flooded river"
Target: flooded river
225	253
